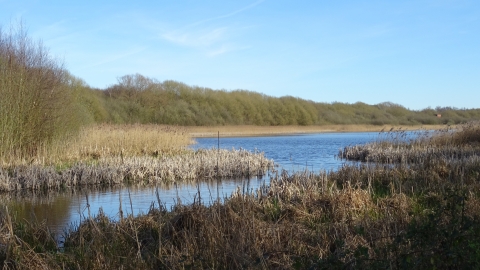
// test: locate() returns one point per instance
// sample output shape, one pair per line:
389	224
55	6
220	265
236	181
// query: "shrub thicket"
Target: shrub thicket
138	99
37	106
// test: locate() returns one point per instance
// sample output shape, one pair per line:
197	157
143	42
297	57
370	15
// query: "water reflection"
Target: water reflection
138	199
62	209
314	152
294	153
53	208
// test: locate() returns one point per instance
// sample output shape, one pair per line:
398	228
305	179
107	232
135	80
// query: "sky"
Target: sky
417	53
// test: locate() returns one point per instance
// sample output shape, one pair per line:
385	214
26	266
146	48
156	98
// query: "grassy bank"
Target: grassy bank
412	213
248	130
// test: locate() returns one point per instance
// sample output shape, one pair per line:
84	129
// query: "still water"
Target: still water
313	152
296	152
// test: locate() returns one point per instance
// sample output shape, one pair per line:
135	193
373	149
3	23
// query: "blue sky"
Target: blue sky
417	53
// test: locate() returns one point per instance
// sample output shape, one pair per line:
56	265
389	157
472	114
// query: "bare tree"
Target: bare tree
34	95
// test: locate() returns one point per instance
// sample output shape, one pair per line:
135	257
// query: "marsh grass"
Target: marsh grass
101	141
302	221
424	214
461	142
109	155
143	170
131	140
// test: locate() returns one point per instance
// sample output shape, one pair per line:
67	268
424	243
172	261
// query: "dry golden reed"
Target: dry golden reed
94	142
132	140
420	215
118	170
461	142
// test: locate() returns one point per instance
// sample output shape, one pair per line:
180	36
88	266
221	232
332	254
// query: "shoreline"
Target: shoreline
252	131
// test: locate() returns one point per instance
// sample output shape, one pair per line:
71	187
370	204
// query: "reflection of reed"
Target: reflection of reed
109	171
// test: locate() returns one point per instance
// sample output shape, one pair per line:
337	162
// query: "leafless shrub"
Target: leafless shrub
35	102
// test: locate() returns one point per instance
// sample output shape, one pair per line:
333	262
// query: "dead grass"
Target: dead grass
98	141
142	170
131	140
444	145
302	221
231	131
420	215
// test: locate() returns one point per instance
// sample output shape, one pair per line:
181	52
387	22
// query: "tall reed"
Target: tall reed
422	214
118	170
461	142
100	141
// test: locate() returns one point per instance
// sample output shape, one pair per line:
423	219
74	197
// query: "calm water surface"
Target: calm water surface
297	152
314	152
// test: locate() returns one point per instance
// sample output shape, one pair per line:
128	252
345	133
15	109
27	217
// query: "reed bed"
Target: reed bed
302	220
110	171
94	142
131	140
423	215
445	144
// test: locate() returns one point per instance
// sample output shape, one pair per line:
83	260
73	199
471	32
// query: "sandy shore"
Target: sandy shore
239	131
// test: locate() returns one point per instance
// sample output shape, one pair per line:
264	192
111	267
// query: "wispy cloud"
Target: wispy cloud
117	56
52	28
213	40
227	15
200	38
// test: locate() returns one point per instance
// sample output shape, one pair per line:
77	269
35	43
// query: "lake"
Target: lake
314	152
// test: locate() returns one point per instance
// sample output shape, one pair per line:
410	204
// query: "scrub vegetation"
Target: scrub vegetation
139	99
38	102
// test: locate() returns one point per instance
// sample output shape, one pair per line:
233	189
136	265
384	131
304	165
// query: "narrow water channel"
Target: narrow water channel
313	152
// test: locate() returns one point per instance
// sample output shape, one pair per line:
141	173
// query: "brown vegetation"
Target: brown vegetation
452	144
100	141
414	214
118	170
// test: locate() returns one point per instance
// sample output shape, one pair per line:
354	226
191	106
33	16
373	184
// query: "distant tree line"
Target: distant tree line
41	103
139	99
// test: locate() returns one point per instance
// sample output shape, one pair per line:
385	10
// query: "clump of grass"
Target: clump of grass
446	144
466	134
145	170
